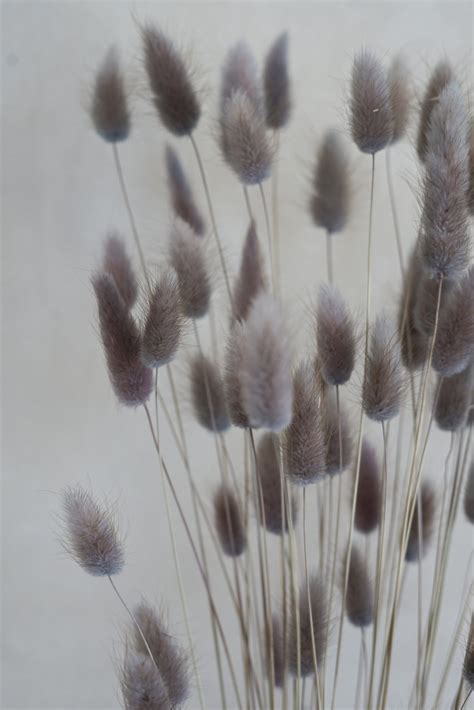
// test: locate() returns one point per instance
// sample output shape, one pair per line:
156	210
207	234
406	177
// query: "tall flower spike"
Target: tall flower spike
428	511
359	597
117	264
271	512
163	323
369	495
229	523
277	84
469	495
265	366
445	241
181	194
240	73
142	686
335	462
413	342
169	77
454	398
330	185
132	381
427	302
188	259
371	115
109	108
251	279
440	78
207	389
400	97
90	535
312	618
383	380
304	440
335	336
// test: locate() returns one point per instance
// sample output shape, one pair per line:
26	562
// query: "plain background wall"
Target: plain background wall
62	630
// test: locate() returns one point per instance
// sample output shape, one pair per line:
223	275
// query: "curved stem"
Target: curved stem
393	206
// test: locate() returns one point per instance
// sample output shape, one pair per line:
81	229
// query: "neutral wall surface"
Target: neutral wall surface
62	631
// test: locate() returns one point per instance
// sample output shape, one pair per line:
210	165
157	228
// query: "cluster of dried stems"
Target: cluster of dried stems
416	370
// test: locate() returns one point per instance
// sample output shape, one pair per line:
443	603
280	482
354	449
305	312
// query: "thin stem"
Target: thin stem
269	233
247	201
466	699
329	257
311	621
393	206
275	213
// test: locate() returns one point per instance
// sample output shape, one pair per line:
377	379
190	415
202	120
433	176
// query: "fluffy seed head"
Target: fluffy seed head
233	389
383	381
445	240
228	521
109	108
454	344
271	512
400	97
304	440
240	73
188	259
469	495
360	597
131	380
181	194
413	342
277	84
424	311
169	78
337	458
251	279
117	264
468	664
335	336
163	322
371	116
142	686
90	535
265	366
207	389
454	398
440	78
369	494
428	512
313	624
330	187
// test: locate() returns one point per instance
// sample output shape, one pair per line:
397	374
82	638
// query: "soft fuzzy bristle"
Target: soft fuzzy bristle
233	389
337	459
440	78
90	535
118	265
172	661
271	512
453	400
400	97
173	93
359	598
304	441
207	389
383	380
131	380
469	495
426	303
109	108
468	663
277	84
181	194
265	366
188	259
371	116
228	521
330	186
369	494
142	685
313	626
445	241
335	336
454	345
413	342
251	279
163	322
428	512
240	73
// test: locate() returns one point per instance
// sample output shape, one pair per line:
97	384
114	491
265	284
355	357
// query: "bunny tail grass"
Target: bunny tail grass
109	109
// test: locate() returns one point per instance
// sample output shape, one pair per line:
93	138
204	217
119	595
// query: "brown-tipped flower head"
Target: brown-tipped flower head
454	344
131	380
304	440
142	685
233	389
413	342
265	366
337	431
90	535
369	494
240	73
271	512
469	494
468	663
207	389
453	400
335	336
330	186
169	78
440	78
312	631
383	379
371	115
172	661
244	140
445	240
181	194
428	512
188	259
400	97
251	279
109	108
117	264
277	84
163	322
360	597
228	521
